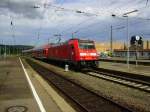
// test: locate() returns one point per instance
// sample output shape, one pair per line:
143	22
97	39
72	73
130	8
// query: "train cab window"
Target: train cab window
86	45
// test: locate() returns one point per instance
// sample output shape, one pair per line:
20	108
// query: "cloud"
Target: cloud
23	8
51	20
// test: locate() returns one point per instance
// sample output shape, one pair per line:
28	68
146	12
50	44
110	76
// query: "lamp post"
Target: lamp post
111	40
127	21
128	47
0	49
5	53
128	52
111	36
137	39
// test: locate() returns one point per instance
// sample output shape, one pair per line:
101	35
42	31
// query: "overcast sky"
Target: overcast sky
19	20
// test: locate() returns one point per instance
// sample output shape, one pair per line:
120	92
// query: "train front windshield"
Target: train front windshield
86	45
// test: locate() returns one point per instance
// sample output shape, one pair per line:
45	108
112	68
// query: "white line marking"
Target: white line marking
33	89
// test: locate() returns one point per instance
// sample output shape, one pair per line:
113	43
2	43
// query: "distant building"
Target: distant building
141	51
13	49
105	46
120	49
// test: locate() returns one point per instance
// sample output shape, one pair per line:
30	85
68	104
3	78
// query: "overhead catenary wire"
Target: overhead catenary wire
105	30
12	28
79	24
60	21
70	29
74	10
40	25
85	28
137	17
65	9
39	31
101	12
118	27
61	8
12	25
13	32
146	2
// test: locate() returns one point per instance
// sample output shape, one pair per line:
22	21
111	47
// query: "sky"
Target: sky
37	22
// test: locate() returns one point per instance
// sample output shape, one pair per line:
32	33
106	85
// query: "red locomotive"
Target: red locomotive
81	53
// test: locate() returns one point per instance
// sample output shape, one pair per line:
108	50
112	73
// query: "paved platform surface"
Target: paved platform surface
14	88
16	94
123	60
140	69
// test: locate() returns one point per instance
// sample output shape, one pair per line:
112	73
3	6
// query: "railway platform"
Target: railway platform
145	62
139	69
22	90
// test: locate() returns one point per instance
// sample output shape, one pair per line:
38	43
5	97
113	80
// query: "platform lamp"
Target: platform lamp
127	18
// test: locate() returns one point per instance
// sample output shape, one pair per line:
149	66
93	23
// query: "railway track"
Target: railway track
86	100
130	80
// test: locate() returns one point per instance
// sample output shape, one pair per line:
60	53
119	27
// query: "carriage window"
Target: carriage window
86	45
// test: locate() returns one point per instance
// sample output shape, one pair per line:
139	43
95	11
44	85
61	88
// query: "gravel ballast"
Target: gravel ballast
134	99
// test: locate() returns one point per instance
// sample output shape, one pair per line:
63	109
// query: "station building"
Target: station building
142	52
120	50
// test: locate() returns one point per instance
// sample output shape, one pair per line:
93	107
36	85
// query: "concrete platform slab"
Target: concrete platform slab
17	80
14	88
140	69
53	102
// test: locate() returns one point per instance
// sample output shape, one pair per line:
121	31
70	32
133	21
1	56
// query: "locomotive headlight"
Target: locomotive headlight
82	54
93	54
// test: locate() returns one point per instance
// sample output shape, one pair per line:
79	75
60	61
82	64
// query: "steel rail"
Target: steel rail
123	79
85	98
